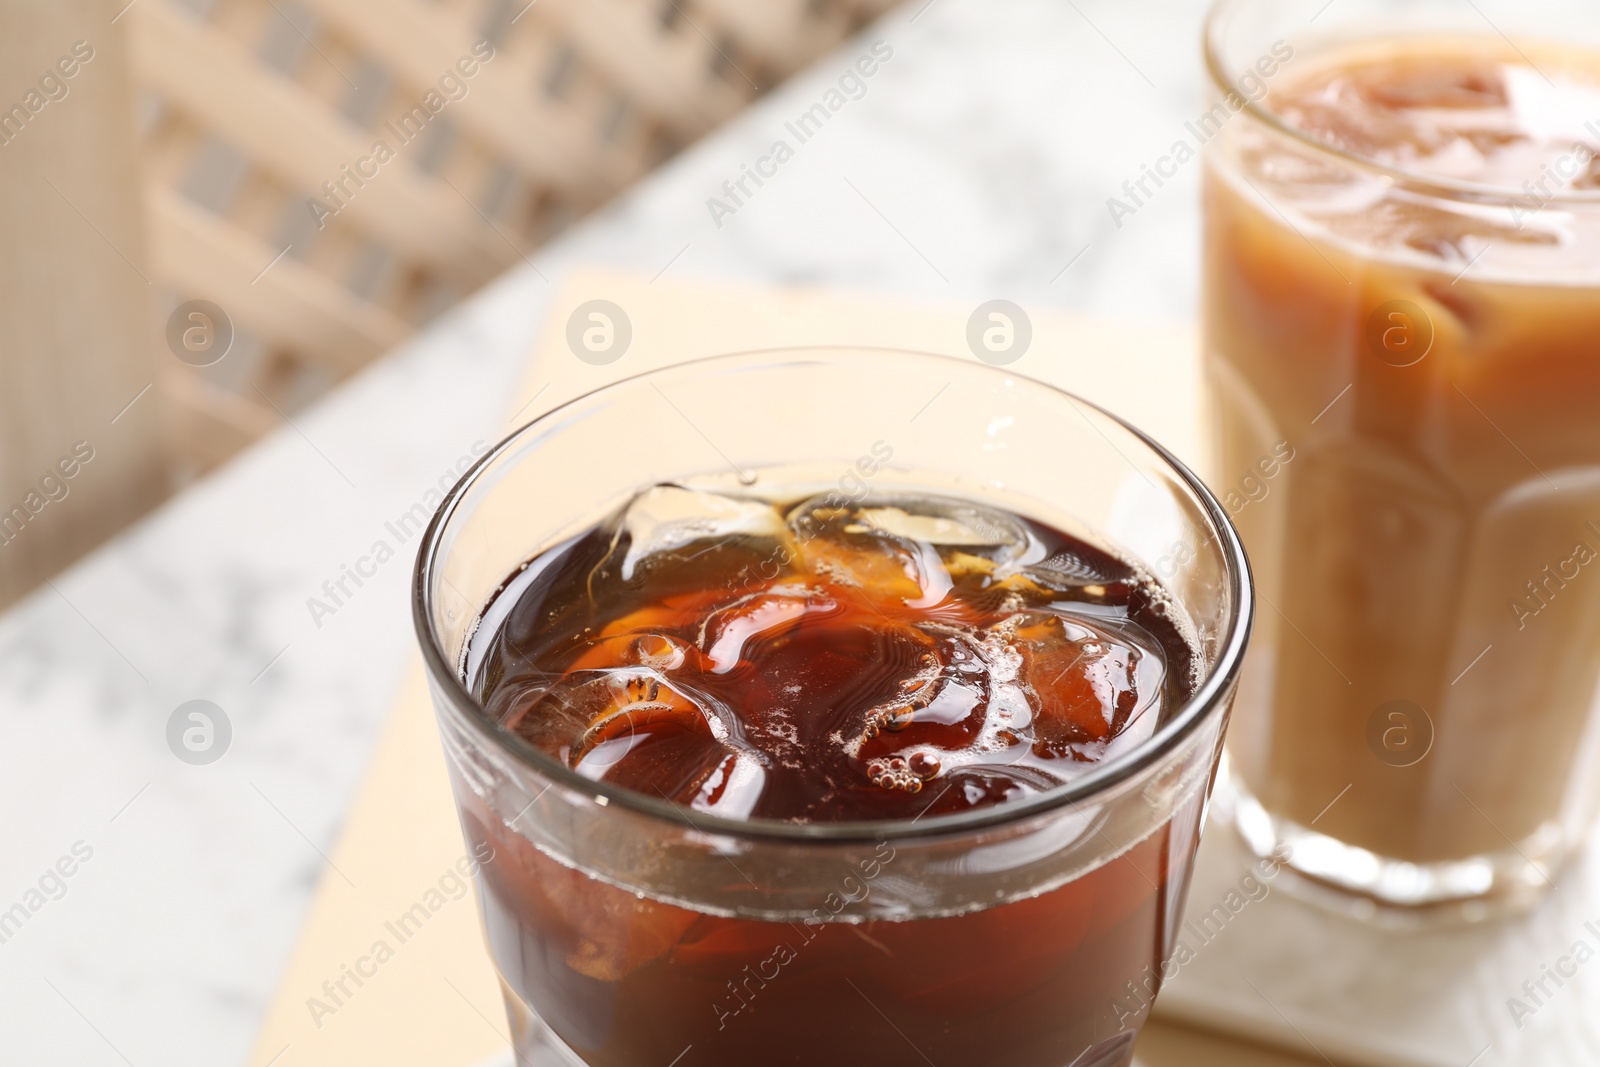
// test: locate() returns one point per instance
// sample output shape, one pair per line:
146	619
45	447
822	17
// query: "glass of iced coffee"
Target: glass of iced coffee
1402	338
829	707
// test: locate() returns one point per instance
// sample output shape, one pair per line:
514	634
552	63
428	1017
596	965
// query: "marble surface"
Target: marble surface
976	166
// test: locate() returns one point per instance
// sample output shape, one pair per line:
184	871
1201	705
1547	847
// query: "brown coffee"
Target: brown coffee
833	661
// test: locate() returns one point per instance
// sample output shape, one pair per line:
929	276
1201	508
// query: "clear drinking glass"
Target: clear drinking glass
1407	394
629	932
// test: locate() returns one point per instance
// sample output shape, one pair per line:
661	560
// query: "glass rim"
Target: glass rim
1210	696
1216	26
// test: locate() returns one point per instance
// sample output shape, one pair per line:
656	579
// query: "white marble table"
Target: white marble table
977	165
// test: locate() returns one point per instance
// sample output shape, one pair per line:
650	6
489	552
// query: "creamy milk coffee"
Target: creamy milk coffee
1403	294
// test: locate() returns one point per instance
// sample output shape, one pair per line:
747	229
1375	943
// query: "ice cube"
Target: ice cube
1085	686
589	718
1068	569
734	787
1429	85
633	641
634	726
986	705
668	517
948	524
759	617
903	548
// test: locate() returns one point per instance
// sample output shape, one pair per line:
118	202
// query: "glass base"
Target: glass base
533	1044
1356	882
1118	1052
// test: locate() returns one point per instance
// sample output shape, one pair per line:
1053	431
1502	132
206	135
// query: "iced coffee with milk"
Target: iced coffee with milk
1402	293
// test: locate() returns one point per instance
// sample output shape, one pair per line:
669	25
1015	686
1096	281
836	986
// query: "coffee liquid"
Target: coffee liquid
828	660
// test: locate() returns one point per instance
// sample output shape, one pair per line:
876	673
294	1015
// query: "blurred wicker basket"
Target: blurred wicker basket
503	121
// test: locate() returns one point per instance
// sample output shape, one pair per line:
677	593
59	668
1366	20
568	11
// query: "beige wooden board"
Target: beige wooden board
76	341
435	1003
